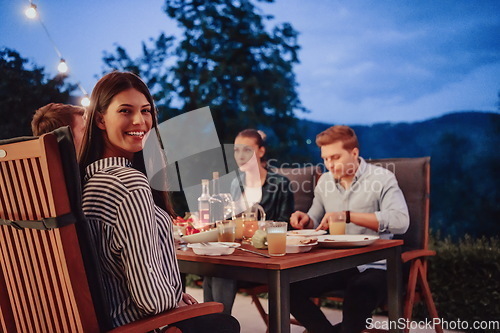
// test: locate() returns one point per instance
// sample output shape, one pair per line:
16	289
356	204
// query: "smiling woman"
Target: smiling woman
125	124
130	228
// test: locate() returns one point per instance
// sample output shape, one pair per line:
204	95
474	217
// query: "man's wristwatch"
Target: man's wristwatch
347	216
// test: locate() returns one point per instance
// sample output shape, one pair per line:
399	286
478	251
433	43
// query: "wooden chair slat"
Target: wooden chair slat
26	274
9	320
18	190
55	280
12	272
30	189
67	291
12	214
4	202
36	277
42	189
45	280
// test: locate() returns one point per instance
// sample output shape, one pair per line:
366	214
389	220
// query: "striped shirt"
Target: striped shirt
134	241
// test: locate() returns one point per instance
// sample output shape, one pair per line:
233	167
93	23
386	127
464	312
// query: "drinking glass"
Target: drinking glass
238	220
250	225
276	238
336	223
229	205
226	230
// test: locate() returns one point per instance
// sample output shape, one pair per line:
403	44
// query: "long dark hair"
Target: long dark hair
103	93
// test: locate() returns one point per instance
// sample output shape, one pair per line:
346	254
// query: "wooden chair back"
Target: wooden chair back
49	276
42	275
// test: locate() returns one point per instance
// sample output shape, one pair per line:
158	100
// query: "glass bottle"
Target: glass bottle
216	201
204	204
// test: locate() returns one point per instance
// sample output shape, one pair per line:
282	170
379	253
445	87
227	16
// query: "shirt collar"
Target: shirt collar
359	173
104	163
361	169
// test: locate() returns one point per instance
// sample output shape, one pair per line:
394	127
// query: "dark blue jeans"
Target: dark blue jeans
363	292
220	290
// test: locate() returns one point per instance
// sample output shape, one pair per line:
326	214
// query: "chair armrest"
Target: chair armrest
414	254
169	317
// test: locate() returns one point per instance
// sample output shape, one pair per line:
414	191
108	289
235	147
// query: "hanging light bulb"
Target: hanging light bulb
62	67
85	101
31	12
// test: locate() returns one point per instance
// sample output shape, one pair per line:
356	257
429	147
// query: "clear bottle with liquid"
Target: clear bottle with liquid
216	201
204	204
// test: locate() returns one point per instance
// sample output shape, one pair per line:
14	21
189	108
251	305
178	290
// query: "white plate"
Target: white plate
306	232
300	248
346	240
201	237
214	248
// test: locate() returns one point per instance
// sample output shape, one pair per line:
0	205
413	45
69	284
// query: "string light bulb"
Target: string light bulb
31	12
62	67
85	101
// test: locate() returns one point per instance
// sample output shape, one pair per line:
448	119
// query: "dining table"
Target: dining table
279	272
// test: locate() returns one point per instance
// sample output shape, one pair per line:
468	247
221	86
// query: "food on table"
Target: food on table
301	241
259	239
187	225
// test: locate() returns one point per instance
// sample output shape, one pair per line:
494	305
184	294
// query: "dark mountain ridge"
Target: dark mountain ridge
465	164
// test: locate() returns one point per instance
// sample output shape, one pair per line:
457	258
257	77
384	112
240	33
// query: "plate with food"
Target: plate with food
306	232
297	244
346	240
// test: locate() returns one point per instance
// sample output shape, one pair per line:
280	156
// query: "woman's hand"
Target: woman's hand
187	300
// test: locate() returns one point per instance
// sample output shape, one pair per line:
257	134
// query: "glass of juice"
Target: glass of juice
226	230
250	225
239	227
276	238
336	223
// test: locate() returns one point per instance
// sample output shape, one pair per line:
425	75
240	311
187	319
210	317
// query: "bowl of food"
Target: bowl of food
299	244
213	248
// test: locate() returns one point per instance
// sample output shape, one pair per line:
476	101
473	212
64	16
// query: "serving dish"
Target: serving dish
213	248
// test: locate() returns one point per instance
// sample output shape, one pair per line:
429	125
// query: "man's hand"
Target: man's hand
335	216
299	220
187	300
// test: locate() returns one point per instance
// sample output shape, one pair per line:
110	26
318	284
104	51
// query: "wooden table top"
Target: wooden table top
290	260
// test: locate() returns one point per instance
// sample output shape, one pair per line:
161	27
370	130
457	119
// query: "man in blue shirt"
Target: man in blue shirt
372	203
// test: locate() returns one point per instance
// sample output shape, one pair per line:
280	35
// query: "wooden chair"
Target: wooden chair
48	278
302	184
413	175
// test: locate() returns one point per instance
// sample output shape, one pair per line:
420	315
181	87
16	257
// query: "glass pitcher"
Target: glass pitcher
251	221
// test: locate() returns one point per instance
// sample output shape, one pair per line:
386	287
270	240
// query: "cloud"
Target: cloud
392	54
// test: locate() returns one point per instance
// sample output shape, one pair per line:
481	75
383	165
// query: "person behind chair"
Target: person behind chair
261	186
55	115
130	226
372	203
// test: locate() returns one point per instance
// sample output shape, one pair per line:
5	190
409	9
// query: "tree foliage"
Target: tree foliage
24	87
225	59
